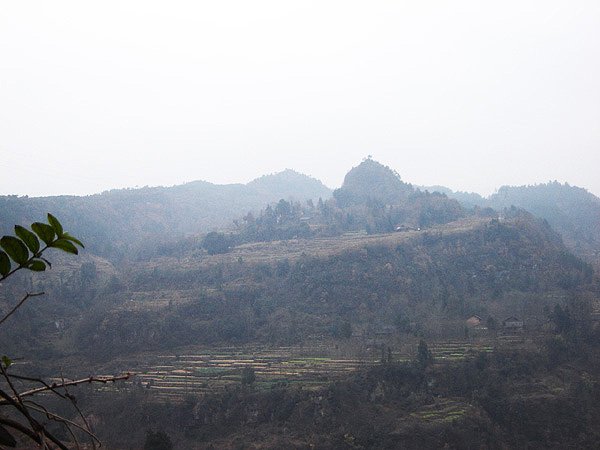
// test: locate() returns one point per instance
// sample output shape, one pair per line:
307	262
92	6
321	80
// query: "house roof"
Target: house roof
512	319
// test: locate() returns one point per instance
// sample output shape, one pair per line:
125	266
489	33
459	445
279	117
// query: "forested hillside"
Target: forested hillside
355	293
572	211
373	199
117	222
298	268
419	281
371	180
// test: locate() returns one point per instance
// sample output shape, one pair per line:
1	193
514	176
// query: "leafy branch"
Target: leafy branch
24	251
24	248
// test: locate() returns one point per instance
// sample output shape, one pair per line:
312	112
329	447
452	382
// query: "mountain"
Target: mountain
467	199
116	222
329	305
371	180
290	184
572	211
286	291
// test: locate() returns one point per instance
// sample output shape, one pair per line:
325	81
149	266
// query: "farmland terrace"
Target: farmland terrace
172	377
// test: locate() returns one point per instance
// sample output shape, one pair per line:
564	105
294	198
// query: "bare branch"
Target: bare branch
20	427
37	429
17	403
55	417
36	380
18	305
91	379
85	421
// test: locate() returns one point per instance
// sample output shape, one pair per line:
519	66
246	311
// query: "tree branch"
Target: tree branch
54	386
36	380
85	421
36	428
66	422
18	305
22	428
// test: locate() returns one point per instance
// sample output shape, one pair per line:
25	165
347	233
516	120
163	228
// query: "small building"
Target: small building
474	321
404	227
512	323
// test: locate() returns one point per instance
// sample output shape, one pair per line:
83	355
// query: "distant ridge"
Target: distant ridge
291	184
114	221
572	211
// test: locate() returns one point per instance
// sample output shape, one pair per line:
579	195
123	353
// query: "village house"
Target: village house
512	323
474	321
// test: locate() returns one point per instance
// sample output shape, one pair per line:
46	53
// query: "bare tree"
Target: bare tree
20	409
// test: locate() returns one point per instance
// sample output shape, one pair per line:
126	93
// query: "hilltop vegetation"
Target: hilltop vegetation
570	210
371	180
115	223
372	199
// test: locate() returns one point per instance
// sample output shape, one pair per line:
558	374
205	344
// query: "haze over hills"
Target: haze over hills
572	211
519	253
114	221
167	214
358	279
165	284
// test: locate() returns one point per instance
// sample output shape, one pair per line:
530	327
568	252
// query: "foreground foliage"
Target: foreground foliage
19	411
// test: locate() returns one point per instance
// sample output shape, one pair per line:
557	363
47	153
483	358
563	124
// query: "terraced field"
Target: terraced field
173	377
442	410
212	370
450	351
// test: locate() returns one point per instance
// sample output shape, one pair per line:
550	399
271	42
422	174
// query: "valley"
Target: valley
347	322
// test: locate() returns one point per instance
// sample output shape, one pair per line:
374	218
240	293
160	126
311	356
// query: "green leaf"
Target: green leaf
4	263
47	262
29	238
44	231
15	248
64	245
6	361
68	237
55	224
6	438
36	265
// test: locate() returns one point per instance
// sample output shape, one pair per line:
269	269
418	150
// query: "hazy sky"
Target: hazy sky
467	94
